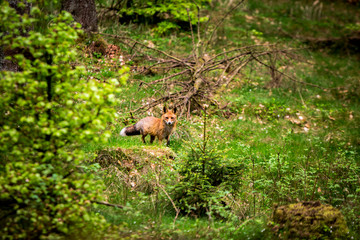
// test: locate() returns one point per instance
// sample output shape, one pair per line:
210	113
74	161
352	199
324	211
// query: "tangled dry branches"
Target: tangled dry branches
191	81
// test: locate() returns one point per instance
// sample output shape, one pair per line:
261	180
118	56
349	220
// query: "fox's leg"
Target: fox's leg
152	138
143	136
167	140
160	140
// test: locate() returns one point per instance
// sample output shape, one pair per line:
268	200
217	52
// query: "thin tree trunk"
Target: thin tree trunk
83	11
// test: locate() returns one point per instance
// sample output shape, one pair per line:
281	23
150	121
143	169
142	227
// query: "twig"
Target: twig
220	22
167	78
160	100
302	100
144	45
240	49
196	81
192	38
107	204
172	202
236	71
289	77
160	62
168	196
237	204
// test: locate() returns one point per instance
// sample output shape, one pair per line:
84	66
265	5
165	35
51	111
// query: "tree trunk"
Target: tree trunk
6	64
83	11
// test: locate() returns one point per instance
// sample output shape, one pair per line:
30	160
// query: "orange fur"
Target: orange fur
155	127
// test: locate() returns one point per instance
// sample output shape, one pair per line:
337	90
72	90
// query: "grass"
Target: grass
296	142
163	226
306	18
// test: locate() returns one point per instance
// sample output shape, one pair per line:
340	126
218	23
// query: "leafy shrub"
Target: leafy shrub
168	13
164	27
205	179
47	112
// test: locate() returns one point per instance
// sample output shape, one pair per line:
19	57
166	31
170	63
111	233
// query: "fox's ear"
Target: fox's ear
174	110
165	109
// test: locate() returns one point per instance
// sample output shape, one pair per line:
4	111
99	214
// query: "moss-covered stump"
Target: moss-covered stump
308	220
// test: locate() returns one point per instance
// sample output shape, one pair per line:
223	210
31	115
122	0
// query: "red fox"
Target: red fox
155	127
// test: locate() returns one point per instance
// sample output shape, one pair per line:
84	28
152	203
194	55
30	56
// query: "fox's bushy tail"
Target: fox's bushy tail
130	131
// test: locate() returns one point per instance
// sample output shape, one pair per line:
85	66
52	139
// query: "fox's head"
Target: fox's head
169	116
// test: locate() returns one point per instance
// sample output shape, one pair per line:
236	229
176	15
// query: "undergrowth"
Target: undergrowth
288	144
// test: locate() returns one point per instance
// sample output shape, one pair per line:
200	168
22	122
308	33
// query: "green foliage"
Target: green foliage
97	55
315	173
47	112
297	142
40	202
206	178
164	27
304	19
169	12
253	229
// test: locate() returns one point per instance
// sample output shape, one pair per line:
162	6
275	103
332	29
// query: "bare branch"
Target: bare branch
146	46
108	204
167	78
192	37
289	77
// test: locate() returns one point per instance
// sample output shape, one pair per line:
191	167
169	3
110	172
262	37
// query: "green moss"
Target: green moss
310	220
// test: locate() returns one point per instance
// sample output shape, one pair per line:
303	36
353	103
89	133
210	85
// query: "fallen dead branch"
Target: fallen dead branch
108	204
193	80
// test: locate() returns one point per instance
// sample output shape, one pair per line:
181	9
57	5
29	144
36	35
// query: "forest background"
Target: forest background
267	94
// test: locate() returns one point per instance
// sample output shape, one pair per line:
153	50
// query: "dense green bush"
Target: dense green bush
168	14
206	177
46	112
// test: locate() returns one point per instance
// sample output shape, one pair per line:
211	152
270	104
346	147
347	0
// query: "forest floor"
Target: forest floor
297	141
